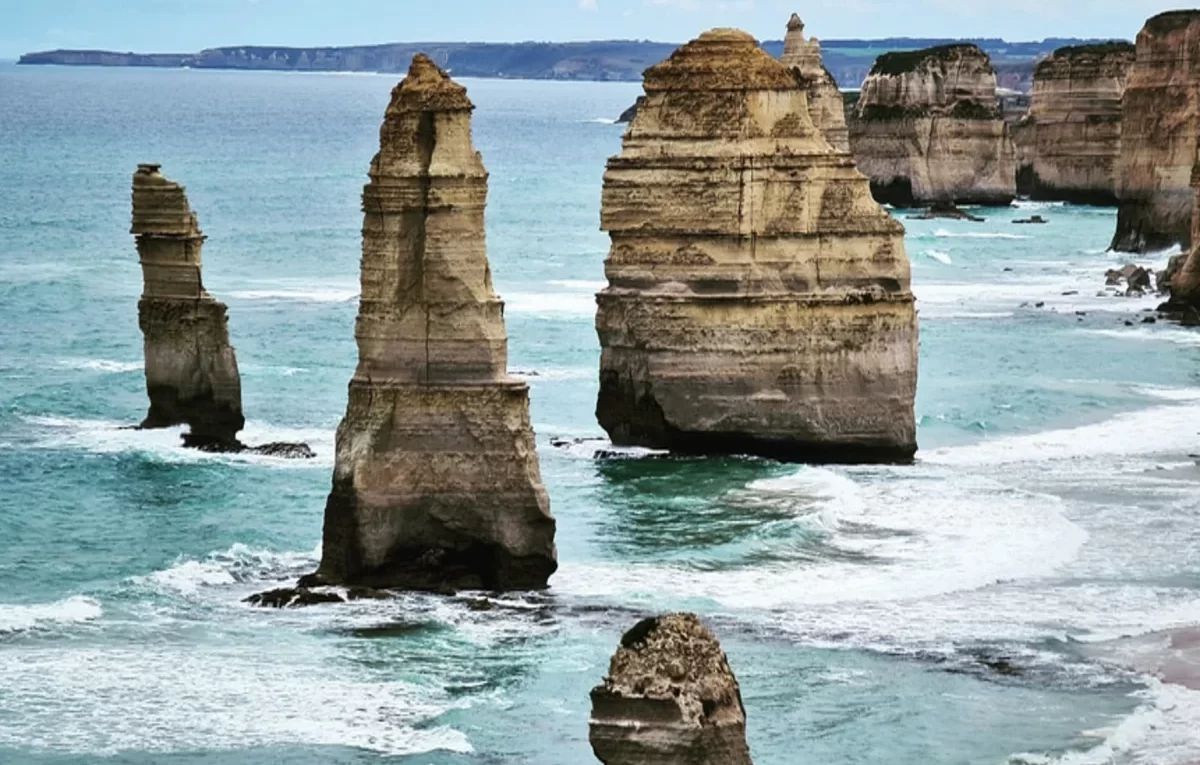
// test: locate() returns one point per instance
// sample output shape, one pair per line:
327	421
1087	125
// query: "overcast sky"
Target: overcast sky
182	26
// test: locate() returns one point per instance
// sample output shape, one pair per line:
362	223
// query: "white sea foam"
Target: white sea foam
328	295
580	284
100	365
1184	337
109	437
239	564
939	256
942	233
942	314
567	373
600	121
24	617
550	305
161	698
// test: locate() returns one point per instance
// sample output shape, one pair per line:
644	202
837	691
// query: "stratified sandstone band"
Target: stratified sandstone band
927	130
758	299
1070	141
669	698
191	370
1158	136
436	482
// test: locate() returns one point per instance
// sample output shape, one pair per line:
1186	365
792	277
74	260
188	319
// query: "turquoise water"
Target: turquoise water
928	614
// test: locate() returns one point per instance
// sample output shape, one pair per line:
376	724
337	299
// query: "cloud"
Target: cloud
588	5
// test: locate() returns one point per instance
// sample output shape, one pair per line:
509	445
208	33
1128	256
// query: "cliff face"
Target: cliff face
928	130
1158	138
1185	283
436	482
825	104
670	698
191	370
758	299
1071	138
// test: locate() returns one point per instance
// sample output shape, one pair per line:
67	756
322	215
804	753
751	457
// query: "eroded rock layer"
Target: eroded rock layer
191	370
758	299
1073	129
670	698
927	129
436	482
1158	136
1184	283
826	106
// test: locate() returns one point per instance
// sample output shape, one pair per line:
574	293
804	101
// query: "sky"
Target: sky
185	26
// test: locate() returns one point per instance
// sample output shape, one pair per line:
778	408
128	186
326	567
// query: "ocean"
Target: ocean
959	610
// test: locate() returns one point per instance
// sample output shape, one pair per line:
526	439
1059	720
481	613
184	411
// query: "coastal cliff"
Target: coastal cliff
1158	136
927	130
758	299
1071	139
670	698
436	482
1184	283
826	106
191	369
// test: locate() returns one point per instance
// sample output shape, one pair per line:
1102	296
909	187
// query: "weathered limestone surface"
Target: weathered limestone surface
1070	140
826	106
670	698
436	483
191	370
928	129
758	299
1158	136
1185	282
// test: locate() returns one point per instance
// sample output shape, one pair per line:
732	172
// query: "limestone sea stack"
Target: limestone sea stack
1184	283
758	299
826	106
928	130
1158	136
436	483
191	370
670	698
1073	129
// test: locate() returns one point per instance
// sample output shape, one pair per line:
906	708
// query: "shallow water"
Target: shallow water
931	614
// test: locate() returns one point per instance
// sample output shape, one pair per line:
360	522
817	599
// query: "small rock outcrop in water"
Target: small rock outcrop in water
628	115
758	299
1158	136
191	370
436	482
826	105
928	129
670	698
1070	140
947	211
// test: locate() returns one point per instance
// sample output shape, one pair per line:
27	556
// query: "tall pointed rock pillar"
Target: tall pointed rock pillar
191	370
436	482
826	106
758	298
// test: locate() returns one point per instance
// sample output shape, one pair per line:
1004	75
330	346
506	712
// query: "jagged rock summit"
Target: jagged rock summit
1071	139
191	369
1158	136
927	130
436	483
826	106
670	698
758	299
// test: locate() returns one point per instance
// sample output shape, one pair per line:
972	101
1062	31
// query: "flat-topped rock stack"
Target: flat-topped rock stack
191	369
928	130
1158	136
826	106
758	299
436	483
1072	134
670	698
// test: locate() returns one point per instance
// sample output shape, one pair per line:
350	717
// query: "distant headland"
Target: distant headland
608	60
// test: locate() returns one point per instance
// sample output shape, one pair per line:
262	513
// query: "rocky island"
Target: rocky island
436	483
1071	139
1158	136
758	299
191	369
669	698
826	106
927	129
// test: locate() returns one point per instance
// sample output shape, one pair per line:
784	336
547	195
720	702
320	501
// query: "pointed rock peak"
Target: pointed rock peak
795	24
427	88
720	59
